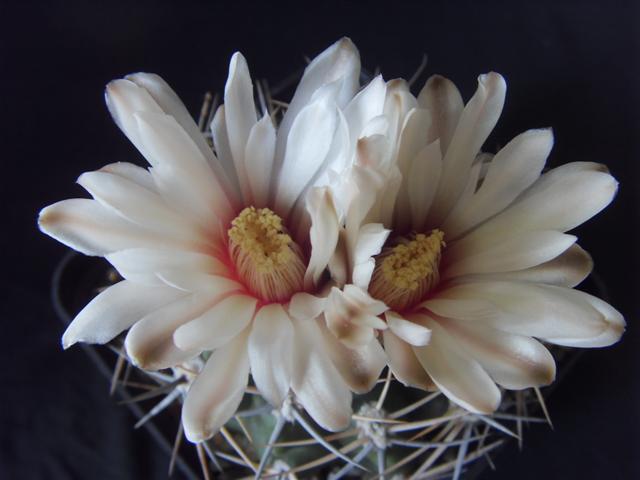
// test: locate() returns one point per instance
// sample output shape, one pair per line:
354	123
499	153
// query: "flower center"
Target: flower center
406	272
266	258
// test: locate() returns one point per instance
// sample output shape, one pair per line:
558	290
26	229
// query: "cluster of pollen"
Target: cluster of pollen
266	258
405	273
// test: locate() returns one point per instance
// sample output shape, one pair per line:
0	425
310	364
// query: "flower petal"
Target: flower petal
513	361
404	364
370	240
217	391
360	367
460	377
325	228
258	157
240	115
218	325
223	149
513	169
367	105
133	173
149	343
305	306
477	120
89	228
441	97
341	62
271	352
410	331
316	382
422	183
114	310
516	252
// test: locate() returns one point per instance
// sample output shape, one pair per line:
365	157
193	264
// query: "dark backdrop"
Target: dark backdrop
570	65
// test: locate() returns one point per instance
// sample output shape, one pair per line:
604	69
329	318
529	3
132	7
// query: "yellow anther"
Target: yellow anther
406	272
266	257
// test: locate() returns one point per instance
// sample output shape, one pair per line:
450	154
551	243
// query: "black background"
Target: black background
570	65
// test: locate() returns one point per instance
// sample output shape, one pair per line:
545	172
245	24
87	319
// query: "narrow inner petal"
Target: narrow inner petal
408	270
266	258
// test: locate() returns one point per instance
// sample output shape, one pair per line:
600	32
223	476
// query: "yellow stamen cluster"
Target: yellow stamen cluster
267	259
406	272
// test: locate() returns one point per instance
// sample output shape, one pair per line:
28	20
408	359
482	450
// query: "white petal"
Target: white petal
404	364
513	169
305	306
218	325
131	172
559	200
240	115
171	104
513	361
422	183
135	203
411	332
88	227
476	122
340	61
460	377
441	97
323	234
183	176
397	105
307	147
516	252
114	310
124	98
360	367
556	314
142	264
316	382
371	238
194	281
222	147
365	106
258	157
149	343
215	395
271	352
566	270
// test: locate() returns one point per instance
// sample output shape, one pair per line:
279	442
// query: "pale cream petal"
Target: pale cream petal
216	393
477	120
460	377
397	105
271	352
136	204
513	169
411	332
218	325
258	157
441	97
556	314
318	385
371	238
114	310
149	343
516	252
171	104
559	200
142	264
133	173
307	146
422	183
566	270
404	364
223	149
340	61
89	228
325	228
182	174
194	281
513	361
305	306
364	107
240	115
360	367
452	304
